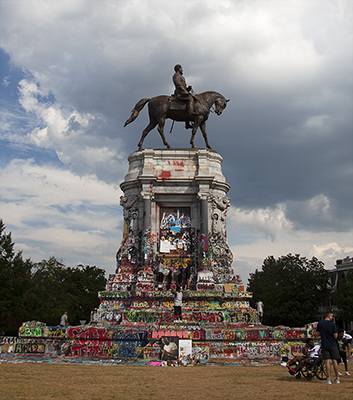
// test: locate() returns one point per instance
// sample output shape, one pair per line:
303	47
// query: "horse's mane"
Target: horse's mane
210	93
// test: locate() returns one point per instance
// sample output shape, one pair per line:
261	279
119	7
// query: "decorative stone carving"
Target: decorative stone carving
133	222
129	202
218	236
131	216
147	243
219	202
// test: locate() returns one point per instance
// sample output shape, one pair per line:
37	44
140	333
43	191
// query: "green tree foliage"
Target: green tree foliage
291	289
57	288
344	297
44	291
15	277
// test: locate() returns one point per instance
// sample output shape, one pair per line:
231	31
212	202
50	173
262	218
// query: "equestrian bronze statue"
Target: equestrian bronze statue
182	106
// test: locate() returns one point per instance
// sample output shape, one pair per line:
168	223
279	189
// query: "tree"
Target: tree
15	278
88	281
44	291
57	288
344	297
291	289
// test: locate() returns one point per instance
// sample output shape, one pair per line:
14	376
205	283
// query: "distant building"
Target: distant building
336	276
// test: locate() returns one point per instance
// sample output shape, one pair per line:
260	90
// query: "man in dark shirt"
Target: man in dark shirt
327	329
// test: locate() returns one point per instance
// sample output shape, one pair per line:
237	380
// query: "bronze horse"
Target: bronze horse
162	107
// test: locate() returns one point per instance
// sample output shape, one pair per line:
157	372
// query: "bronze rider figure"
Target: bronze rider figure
183	92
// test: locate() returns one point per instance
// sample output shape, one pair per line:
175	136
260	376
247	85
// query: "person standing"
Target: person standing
188	274
327	330
160	276
260	309
169	280
183	278
343	348
64	320
178	299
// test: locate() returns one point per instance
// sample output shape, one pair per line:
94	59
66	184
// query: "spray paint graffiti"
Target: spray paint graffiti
152	351
105	342
94	335
32	328
142	316
113	316
8	340
30	347
55	331
174	231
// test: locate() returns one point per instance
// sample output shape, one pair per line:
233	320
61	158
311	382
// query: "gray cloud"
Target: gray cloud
286	135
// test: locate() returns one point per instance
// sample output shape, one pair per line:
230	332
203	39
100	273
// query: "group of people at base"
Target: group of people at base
181	276
335	347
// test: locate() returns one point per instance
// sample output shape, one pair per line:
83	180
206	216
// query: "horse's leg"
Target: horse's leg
161	123
149	127
204	134
196	125
193	133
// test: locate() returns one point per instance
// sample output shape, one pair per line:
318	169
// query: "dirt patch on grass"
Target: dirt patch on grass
46	381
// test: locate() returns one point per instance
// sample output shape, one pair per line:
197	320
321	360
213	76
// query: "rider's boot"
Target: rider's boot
192	109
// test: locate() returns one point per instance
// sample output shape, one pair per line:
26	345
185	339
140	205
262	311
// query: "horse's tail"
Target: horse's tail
136	111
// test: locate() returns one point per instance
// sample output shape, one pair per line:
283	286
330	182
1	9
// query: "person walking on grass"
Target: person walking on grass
343	348
327	330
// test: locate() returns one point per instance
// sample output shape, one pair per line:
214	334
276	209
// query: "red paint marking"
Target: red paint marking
178	163
165	175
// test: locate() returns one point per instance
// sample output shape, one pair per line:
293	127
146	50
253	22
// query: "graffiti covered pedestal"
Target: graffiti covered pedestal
211	342
175	208
157	308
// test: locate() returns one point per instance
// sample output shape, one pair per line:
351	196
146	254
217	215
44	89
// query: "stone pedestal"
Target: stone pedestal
175	204
175	208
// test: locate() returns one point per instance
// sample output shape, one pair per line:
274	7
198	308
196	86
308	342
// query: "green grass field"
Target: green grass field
53	381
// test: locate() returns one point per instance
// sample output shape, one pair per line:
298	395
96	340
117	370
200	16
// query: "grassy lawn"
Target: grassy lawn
53	381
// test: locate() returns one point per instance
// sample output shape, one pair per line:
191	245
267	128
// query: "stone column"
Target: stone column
204	216
146	212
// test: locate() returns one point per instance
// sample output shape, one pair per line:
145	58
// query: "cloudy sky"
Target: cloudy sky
72	70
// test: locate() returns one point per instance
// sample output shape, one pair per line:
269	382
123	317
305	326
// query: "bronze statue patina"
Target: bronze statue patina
183	92
182	106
